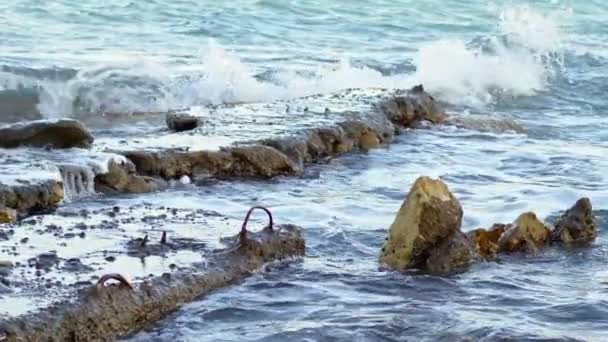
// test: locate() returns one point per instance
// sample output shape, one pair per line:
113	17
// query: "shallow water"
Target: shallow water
541	63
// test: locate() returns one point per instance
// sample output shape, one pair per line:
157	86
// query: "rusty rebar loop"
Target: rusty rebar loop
244	227
114	276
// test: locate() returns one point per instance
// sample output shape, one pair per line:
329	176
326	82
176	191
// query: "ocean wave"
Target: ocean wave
520	60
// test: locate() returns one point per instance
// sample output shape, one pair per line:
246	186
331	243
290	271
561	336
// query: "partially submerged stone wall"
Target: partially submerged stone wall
146	171
289	155
426	233
109	310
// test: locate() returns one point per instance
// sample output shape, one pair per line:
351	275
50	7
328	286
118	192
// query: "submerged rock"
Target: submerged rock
577	224
181	122
486	241
526	234
430	217
62	133
8	215
487	124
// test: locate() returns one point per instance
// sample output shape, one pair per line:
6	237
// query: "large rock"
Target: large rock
428	218
181	122
412	108
526	234
8	215
485	242
56	134
576	224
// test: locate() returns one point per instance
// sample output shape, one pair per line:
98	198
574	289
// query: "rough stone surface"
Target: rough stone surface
259	161
56	134
485	242
526	234
121	178
429	216
577	224
289	155
452	254
413	107
32	198
181	122
106	312
8	215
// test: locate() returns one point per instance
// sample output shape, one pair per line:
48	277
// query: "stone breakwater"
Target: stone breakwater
426	234
148	171
113	307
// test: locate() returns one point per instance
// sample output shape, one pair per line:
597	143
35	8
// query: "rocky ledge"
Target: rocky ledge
28	198
426	233
44	133
114	307
289	155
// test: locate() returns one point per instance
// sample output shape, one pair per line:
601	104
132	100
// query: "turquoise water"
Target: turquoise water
541	63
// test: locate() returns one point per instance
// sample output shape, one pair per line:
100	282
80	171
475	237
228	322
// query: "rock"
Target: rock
62	133
526	234
487	124
144	184
121	178
260	161
31	198
369	141
5	268
181	122
485	242
44	260
117	177
452	254
8	215
429	216
577	224
4	288
414	107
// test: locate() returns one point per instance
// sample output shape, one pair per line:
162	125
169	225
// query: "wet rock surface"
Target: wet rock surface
180	122
55	134
526	234
486	241
426	233
429	217
454	253
32	198
114	307
8	215
121	178
577	224
267	158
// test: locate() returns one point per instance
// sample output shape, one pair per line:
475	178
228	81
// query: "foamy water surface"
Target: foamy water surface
244	66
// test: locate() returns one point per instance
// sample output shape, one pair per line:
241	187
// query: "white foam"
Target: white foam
520	60
75	168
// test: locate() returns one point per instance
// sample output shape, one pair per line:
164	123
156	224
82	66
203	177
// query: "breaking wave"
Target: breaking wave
518	59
